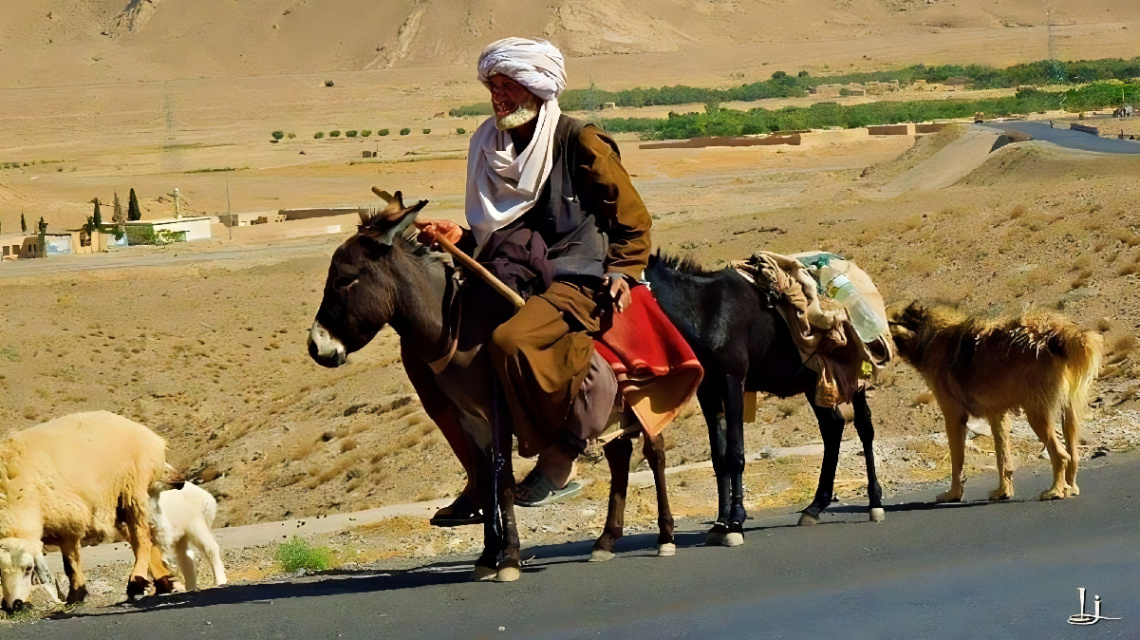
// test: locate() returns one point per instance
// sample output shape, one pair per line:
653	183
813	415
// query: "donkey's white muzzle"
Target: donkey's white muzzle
326	350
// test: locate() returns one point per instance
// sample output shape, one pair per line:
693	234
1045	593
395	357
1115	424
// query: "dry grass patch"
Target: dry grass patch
1126	237
924	398
1120	349
923	264
395	527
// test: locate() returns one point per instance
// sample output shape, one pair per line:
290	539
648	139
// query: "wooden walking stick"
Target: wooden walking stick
469	263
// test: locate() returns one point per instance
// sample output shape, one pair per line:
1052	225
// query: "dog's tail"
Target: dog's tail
1084	352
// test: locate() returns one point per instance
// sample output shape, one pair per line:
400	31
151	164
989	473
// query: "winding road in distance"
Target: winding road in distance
1072	139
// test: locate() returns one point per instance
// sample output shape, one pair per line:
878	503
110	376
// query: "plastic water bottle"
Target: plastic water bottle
867	323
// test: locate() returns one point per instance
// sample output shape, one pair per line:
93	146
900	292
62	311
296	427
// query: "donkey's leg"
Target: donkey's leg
712	406
866	430
654	449
734	457
510	566
618	453
831	425
486	567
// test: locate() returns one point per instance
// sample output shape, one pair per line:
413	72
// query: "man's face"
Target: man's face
507	96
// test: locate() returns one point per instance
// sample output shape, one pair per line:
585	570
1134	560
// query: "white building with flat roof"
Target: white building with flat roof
196	228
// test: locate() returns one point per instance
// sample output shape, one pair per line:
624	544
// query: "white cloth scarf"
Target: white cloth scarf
503	184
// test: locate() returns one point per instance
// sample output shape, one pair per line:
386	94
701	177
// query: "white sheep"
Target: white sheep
76	481
182	522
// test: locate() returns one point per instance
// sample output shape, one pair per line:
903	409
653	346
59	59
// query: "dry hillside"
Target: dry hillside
212	355
100	96
84	41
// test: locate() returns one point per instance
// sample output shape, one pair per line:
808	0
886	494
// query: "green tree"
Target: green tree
382	132
405	131
133	211
117	210
318	135
335	133
97	217
42	239
427	131
277	135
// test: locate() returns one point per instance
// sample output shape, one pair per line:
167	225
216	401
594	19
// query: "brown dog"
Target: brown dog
1040	363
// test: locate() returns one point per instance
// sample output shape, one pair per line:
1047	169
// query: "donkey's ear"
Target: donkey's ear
399	228
385	232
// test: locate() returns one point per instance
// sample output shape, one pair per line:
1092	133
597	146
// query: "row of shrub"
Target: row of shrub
716	121
784	85
352	133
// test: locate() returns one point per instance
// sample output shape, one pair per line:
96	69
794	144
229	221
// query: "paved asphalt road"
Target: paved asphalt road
974	570
1072	139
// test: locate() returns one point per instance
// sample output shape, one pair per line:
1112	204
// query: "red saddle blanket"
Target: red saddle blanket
656	369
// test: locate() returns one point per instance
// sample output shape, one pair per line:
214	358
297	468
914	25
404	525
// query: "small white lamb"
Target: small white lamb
183	519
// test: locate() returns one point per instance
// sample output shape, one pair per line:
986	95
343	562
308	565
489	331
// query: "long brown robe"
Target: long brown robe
542	354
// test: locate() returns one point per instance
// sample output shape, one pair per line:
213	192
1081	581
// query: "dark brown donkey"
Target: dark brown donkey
378	277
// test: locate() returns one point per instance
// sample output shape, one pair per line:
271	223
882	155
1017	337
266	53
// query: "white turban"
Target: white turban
503	183
535	64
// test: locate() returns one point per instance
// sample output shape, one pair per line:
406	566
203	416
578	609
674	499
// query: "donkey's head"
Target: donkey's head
363	286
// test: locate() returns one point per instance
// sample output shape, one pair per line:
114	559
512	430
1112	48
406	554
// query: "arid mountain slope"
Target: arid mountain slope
65	42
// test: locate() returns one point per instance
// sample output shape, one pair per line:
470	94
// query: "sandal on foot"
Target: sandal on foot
537	490
460	512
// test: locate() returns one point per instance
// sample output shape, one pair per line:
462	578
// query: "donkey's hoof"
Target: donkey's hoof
509	573
483	574
878	515
1053	494
601	555
715	538
509	570
733	539
666	550
1072	490
807	519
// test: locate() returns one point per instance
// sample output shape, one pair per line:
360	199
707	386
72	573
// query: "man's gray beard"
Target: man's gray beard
517	118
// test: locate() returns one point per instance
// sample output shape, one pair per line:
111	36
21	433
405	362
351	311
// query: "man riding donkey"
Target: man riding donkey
553	213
